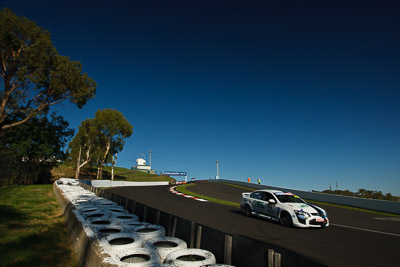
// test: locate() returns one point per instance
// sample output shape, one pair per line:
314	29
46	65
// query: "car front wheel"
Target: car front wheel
285	219
246	211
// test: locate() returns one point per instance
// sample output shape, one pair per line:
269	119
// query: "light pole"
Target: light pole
217	171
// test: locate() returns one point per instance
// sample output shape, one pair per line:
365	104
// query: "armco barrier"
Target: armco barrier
370	204
228	249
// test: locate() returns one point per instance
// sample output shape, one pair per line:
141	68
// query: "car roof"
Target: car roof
270	191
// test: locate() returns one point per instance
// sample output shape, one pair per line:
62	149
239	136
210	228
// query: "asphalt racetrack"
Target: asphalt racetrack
355	238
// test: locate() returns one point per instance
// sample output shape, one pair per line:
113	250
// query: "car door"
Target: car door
270	209
257	202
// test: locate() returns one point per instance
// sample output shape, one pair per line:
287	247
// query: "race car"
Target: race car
283	207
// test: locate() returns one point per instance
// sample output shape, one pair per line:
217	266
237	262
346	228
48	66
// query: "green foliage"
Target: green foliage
33	75
100	138
28	152
32	228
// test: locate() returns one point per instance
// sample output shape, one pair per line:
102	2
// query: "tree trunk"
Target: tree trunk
114	161
98	168
100	172
104	159
78	161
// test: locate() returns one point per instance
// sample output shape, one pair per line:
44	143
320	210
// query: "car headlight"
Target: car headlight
302	214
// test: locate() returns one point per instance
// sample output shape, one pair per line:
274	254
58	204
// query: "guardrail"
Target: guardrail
228	249
370	204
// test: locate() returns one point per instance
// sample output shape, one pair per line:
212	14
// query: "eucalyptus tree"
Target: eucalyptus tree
114	128
33	76
100	139
83	145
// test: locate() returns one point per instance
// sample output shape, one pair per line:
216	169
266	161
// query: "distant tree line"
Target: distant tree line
362	193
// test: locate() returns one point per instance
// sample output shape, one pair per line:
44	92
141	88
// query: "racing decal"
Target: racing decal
318	210
283	194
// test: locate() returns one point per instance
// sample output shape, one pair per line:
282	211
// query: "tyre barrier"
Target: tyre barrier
105	203
132	223
138	257
88	209
114	208
160	265
122	241
191	257
107	230
164	245
96	214
217	265
149	231
122	218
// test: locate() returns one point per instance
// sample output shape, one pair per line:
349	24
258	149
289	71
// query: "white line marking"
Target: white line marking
367	230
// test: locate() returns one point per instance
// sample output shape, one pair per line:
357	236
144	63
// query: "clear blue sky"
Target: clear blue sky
297	93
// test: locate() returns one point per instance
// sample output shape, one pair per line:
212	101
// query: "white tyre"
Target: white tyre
191	257
133	223
87	205
100	221
96	214
87	209
149	231
217	265
160	265
127	217
165	245
80	201
114	208
105	203
121	241
137	257
106	230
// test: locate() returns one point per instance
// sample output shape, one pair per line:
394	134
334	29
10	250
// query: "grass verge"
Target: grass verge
32	228
182	189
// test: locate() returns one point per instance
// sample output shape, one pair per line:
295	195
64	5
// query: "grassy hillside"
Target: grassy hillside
120	174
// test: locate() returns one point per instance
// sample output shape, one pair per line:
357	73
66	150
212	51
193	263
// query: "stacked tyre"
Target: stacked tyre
127	240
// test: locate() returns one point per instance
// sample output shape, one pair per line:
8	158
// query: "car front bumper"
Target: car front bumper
313	221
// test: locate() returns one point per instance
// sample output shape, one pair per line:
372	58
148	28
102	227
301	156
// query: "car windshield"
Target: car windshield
288	197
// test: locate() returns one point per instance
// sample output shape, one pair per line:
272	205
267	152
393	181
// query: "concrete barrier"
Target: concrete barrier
370	204
109	183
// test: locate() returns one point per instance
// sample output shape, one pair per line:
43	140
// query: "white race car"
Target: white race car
283	207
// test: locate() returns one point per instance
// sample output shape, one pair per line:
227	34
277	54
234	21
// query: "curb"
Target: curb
173	190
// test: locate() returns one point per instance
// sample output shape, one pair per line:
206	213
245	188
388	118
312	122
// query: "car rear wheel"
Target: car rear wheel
247	211
285	219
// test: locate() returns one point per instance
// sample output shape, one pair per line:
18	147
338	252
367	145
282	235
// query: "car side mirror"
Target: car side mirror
271	201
